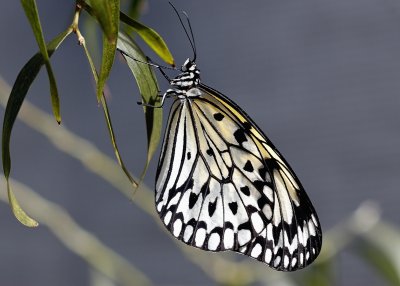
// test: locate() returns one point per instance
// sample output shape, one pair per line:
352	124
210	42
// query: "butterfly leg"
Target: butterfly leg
168	93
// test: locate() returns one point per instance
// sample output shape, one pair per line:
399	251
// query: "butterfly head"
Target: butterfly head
188	65
189	78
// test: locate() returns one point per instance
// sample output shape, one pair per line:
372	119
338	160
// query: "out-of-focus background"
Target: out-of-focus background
322	79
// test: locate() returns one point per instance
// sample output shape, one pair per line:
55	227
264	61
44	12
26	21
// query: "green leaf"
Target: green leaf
18	211
21	86
32	14
108	120
381	248
151	37
107	13
107	61
148	90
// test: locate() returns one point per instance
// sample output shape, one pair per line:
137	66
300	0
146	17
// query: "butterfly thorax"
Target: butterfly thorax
184	85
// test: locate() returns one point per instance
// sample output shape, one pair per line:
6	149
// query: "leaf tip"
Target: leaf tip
18	212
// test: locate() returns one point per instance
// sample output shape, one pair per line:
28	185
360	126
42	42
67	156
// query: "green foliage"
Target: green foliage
108	16
148	88
33	16
18	93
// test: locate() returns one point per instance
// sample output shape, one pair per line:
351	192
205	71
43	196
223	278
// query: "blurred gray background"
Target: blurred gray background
321	78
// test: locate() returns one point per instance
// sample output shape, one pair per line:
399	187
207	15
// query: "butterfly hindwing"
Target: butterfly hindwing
222	185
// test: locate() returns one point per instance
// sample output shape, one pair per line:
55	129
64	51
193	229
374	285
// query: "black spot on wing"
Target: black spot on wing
202	224
192	200
240	136
263	172
262	201
190	184
246	225
188	155
211	207
228	224
246	125
233	207
218	116
248	166
205	190
259	185
210	152
272	164
251	209
245	190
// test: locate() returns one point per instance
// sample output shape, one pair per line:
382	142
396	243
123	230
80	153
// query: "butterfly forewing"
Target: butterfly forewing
222	185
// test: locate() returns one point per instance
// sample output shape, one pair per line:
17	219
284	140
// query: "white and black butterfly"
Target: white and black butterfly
222	185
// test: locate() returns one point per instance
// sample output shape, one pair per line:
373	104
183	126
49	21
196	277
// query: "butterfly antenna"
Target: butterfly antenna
191	41
149	63
191	33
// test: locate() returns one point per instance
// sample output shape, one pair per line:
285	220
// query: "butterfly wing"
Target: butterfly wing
222	185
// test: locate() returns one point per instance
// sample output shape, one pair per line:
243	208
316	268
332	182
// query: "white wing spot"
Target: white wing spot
177	227
301	260
277	261
293	246
257	249
286	261
294	260
267	211
300	235
314	220
311	228
167	217
268	255
228	238
307	255
257	222
268	193
280	243
244	236
200	237
159	206
188	233
213	241
270	235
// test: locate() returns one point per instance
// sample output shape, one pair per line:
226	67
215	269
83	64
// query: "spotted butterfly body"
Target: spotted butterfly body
222	185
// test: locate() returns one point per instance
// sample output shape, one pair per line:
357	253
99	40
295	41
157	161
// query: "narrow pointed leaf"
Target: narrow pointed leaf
107	13
108	121
151	37
107	61
148	90
32	14
18	212
21	86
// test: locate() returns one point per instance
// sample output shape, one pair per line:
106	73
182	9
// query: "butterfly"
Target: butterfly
222	185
